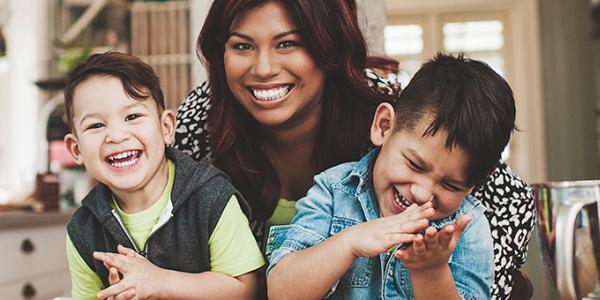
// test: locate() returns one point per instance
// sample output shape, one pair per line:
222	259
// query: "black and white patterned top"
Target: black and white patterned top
508	200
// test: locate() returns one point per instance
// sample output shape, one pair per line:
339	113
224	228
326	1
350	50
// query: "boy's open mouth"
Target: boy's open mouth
124	159
400	200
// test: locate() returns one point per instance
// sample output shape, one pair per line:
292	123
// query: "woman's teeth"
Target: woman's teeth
271	94
124	159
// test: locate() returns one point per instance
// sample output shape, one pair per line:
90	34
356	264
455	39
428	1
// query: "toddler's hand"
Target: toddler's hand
432	251
140	276
114	278
378	236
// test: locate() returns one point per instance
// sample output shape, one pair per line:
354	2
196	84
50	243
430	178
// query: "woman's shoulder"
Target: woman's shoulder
506	185
191	135
198	100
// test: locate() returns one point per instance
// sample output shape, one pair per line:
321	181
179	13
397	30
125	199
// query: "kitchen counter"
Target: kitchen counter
11	219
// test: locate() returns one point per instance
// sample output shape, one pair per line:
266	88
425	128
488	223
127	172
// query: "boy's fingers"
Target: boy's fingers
419	248
402	255
114	260
399	238
446	235
422	213
412	226
126	251
126	295
112	290
98	255
431	239
113	276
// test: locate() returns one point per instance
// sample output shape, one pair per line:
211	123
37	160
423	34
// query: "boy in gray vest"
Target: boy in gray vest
158	224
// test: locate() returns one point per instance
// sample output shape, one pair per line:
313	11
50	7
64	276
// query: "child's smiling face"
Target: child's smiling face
412	168
120	140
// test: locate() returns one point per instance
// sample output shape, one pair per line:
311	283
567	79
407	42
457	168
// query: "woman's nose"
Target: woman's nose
422	193
266	64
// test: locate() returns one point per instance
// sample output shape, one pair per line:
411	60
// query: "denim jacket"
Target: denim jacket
343	196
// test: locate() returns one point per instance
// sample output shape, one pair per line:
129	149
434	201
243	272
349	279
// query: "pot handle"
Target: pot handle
565	228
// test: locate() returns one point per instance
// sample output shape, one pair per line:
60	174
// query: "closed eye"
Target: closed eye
451	187
415	167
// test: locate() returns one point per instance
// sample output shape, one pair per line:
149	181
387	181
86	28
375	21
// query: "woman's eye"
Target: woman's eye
132	117
94	126
287	44
242	46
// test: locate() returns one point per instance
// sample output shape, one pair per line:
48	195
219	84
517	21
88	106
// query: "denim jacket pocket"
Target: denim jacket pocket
359	274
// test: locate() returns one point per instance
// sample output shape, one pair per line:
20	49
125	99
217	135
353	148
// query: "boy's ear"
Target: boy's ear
168	120
383	124
73	147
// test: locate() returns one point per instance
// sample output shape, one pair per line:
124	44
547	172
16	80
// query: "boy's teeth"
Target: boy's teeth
124	159
400	200
271	94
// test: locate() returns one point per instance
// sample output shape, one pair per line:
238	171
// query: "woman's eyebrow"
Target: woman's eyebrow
280	35
241	35
277	36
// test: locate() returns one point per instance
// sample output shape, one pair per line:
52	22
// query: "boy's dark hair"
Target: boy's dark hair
138	79
470	101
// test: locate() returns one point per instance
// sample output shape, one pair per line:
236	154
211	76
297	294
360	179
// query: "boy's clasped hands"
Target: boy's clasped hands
128	275
430	248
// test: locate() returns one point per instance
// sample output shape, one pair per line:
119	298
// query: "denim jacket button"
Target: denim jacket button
391	272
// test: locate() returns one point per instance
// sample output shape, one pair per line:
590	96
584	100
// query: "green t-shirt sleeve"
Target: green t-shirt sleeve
85	283
233	249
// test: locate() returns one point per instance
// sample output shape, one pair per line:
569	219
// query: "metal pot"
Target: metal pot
569	234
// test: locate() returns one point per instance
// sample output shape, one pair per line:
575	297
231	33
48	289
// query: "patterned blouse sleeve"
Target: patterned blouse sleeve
191	135
510	208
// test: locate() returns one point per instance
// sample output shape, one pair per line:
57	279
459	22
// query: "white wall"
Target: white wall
26	40
198	12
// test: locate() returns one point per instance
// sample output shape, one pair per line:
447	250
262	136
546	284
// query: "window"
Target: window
480	35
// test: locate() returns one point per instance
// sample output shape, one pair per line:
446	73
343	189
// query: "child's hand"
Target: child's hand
114	278
378	236
140	277
431	252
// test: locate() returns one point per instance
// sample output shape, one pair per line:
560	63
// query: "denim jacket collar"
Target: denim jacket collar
362	172
359	183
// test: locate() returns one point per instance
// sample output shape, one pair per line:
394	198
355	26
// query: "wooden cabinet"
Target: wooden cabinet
33	259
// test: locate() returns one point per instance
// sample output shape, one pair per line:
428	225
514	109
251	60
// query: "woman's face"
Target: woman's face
269	70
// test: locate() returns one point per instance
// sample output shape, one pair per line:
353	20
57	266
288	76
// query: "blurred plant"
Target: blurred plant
72	57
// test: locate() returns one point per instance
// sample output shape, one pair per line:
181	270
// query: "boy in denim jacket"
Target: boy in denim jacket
400	223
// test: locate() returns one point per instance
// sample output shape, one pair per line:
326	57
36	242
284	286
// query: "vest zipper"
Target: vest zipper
120	221
152	233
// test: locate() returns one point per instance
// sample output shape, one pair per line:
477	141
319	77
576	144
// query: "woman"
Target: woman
288	98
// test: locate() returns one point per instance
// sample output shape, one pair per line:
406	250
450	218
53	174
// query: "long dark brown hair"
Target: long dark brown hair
331	35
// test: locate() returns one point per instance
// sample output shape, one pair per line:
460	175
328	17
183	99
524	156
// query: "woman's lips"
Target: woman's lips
268	94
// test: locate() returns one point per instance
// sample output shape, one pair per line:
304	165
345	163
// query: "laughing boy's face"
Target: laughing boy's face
412	168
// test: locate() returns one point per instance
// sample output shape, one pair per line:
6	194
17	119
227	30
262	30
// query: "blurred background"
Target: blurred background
549	52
